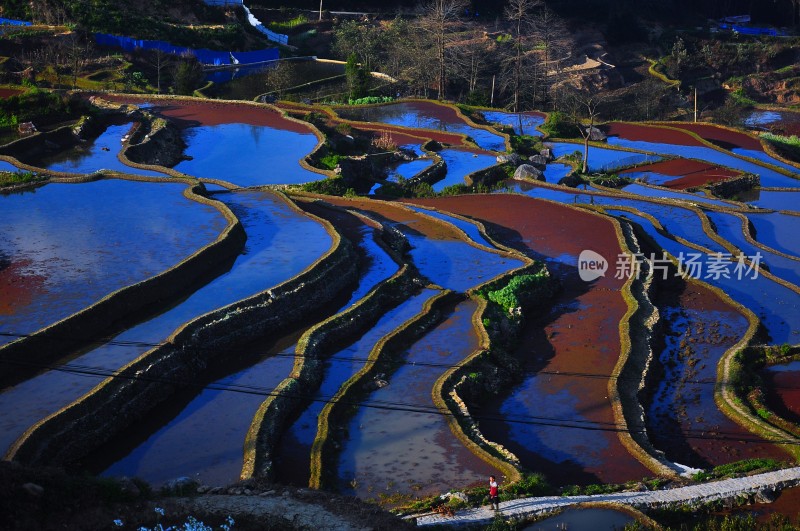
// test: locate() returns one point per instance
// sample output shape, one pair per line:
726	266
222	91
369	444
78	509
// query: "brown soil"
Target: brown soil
187	113
17	289
782	394
8	92
431	229
688	173
580	334
649	133
693	408
721	136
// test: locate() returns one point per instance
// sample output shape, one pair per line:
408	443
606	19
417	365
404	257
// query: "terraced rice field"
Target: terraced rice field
356	344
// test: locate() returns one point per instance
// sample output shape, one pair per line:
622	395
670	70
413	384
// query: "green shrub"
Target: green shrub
559	125
329	161
370	100
737	468
329	186
526	144
517	292
19	177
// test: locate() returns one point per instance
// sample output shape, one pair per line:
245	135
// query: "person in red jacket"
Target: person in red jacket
494	493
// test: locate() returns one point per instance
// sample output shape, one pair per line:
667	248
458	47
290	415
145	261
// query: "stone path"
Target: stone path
768	482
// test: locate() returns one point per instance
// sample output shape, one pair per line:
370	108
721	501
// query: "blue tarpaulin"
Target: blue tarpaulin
12	22
207	57
746	30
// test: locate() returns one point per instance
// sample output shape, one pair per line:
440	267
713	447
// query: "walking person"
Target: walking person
494	493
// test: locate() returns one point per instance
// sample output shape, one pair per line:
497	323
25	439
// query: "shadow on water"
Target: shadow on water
535	352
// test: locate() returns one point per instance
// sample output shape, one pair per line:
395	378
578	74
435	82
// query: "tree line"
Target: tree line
443	54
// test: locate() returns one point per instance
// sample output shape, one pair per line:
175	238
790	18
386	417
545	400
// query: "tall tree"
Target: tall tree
519	13
438	21
553	40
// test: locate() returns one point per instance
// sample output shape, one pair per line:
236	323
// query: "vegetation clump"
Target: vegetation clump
788	146
8	179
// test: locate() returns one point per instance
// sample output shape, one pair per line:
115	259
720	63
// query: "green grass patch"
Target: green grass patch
559	125
370	100
8	178
738	468
284	25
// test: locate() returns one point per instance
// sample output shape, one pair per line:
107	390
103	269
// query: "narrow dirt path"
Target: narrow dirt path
694	494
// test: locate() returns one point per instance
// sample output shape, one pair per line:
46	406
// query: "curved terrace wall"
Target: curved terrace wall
629	374
49	344
728	367
234	103
151	379
290	395
323	448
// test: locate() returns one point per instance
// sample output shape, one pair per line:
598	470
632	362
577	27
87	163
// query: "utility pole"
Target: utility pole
320	10
695	104
491	103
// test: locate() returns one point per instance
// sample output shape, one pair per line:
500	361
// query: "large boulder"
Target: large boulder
527	172
537	161
595	134
547	153
511	158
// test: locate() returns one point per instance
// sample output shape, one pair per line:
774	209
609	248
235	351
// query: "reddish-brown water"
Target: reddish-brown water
567	428
413	452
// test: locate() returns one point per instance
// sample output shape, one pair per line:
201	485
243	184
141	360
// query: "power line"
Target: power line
144	344
555	422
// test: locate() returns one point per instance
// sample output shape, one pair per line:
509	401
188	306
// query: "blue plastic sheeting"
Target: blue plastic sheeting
207	57
12	22
744	30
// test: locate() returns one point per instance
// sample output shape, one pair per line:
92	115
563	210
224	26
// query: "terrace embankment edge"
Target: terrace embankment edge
73	432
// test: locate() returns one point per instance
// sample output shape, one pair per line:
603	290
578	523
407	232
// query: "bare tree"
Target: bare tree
470	58
553	39
159	59
76	52
585	106
438	21
519	13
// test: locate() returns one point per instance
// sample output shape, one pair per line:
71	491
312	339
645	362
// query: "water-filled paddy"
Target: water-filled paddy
271	255
293	462
778	231
602	159
769	177
204	439
424	115
680	173
408	452
246	154
222	418
438	250
676	220
65	246
782	391
469	228
730	228
93	155
775	305
583	519
661	193
407	169
698	328
460	163
524	123
788	121
773	200
566	410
